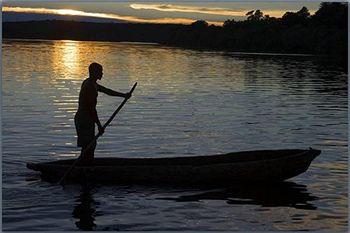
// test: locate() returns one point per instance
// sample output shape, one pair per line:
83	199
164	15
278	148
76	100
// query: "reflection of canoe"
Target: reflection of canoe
248	166
288	194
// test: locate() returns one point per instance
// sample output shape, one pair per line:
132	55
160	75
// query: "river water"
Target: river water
187	103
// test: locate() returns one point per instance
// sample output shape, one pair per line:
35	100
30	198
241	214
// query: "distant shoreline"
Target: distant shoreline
121	42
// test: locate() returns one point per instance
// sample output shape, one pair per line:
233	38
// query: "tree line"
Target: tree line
323	33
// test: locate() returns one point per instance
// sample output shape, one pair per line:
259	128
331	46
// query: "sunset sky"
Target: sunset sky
153	12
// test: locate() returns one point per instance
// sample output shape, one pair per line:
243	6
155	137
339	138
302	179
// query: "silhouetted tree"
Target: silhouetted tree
303	13
199	25
229	23
255	16
299	17
332	13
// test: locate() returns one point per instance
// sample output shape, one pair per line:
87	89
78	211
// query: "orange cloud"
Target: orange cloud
204	10
101	15
188	9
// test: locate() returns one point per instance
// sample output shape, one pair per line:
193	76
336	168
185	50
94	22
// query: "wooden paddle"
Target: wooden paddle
95	138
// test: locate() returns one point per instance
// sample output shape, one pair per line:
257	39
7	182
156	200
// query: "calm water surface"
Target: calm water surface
186	103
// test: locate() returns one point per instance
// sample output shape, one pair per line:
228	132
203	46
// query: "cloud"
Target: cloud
188	9
205	10
101	15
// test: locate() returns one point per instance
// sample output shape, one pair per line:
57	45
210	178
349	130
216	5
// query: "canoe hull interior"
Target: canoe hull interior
254	166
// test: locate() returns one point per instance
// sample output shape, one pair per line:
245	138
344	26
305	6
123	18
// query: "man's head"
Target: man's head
95	70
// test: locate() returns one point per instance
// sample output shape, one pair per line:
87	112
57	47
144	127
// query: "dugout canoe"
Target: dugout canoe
246	166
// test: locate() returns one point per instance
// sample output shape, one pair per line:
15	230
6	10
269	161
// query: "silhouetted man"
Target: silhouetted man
86	116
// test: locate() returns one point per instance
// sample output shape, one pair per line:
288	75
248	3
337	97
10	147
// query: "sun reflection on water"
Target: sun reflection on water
66	59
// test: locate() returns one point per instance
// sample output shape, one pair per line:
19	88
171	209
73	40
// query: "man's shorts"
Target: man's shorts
85	128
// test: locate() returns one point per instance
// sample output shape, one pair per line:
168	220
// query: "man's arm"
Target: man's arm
110	92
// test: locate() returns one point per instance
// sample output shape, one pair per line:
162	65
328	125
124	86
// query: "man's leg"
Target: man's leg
88	154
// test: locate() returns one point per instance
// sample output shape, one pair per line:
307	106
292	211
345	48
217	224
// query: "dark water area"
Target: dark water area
187	103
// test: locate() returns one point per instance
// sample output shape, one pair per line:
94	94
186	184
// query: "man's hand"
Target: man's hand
101	130
127	95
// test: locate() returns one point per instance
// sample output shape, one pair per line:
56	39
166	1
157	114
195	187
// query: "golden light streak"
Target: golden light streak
70	12
188	9
204	10
102	15
70	54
